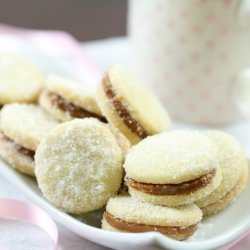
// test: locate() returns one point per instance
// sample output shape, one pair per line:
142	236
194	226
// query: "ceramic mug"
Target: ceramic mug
195	54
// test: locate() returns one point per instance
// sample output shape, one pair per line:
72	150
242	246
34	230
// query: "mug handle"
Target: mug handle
244	13
240	92
240	87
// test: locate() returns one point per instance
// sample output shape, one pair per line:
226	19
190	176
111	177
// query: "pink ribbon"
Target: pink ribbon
14	209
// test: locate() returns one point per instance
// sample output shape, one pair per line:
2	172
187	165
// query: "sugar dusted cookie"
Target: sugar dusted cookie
17	156
20	79
229	197
125	214
129	106
234	169
173	168
22	128
66	99
79	165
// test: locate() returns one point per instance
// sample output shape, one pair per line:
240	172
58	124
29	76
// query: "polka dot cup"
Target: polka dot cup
195	54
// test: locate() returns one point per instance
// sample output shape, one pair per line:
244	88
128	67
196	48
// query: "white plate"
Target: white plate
213	233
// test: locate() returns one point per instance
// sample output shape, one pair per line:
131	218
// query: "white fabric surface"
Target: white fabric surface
17	235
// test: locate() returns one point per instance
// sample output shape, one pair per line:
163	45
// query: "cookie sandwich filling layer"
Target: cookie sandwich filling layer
121	109
122	225
22	150
172	189
74	110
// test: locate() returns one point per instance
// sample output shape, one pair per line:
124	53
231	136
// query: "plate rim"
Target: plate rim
139	238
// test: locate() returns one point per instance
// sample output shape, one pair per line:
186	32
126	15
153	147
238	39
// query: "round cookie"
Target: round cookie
79	165
26	124
233	162
126	214
22	128
229	197
129	106
20	79
10	152
66	100
173	168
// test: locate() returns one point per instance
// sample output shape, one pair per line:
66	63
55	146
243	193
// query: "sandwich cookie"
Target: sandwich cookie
234	169
79	165
22	128
125	214
66	100
173	168
129	106
20	79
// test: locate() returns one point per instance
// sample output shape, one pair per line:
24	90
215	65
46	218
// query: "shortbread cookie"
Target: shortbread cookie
17	156
79	165
66	99
125	214
22	128
20	79
233	164
229	197
129	106
173	168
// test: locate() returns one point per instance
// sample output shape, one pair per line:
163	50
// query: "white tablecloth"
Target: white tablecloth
17	235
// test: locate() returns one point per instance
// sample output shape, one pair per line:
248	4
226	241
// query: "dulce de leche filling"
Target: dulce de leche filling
75	111
139	228
172	189
121	110
22	150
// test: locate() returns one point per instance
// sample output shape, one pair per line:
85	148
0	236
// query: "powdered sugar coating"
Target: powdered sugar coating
74	92
177	200
19	161
229	197
79	165
132	210
171	158
26	124
233	160
20	79
138	100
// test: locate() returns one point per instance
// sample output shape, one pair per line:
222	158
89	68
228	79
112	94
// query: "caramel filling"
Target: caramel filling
22	150
121	110
74	110
172	189
139	228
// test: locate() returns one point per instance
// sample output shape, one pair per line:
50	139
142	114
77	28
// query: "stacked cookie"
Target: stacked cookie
165	174
22	128
22	125
175	172
72	158
79	162
234	169
78	147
